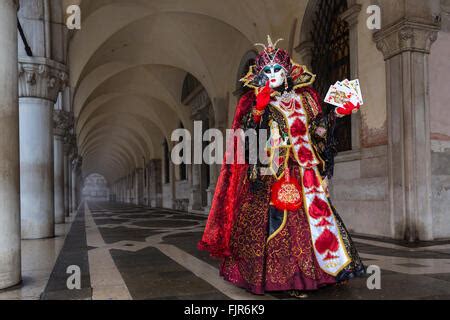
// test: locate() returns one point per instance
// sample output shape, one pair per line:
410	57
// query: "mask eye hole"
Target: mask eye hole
267	70
277	69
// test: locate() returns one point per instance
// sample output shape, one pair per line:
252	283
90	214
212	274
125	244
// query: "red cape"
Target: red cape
216	238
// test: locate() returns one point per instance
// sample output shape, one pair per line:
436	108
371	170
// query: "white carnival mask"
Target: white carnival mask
276	75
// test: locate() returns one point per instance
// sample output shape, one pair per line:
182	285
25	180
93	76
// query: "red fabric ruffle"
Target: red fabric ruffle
216	237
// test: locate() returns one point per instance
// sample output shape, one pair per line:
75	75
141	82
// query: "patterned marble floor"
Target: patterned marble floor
128	252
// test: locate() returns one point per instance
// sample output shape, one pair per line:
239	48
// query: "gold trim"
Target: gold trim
286	160
258	112
247	79
283	224
305	70
286	120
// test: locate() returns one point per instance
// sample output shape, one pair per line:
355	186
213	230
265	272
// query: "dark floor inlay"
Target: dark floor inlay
73	253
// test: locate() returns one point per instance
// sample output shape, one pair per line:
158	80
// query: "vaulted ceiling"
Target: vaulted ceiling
129	60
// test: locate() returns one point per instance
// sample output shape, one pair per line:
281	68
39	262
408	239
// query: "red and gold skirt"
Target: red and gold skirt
271	250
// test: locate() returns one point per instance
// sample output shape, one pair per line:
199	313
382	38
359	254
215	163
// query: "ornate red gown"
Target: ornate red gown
264	249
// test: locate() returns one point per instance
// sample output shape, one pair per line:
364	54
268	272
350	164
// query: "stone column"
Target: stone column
173	182
76	165
79	185
73	191
58	172
66	184
147	186
195	201
351	17
155	183
139	187
130	186
406	45
123	190
218	121
61	123
40	80
69	182
10	260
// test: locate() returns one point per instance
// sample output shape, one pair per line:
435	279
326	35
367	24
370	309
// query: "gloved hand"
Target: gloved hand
262	101
347	109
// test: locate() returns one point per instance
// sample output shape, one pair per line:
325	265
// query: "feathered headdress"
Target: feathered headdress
271	55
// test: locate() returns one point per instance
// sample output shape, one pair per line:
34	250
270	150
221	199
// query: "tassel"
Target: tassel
286	194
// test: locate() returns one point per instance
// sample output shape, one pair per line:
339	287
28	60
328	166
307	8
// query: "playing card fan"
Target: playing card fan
346	96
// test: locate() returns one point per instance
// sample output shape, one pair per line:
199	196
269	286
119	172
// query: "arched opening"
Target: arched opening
195	96
190	85
329	39
95	188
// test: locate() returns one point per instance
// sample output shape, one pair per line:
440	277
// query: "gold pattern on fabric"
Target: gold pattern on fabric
291	251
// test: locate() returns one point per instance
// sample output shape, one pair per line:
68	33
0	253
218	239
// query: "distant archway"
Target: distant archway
95	188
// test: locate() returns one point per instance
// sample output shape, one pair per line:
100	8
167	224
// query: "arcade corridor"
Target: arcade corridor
90	193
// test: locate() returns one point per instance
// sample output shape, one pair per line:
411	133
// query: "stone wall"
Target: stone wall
360	185
440	128
359	191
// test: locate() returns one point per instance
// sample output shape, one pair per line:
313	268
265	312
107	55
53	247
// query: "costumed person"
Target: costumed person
279	231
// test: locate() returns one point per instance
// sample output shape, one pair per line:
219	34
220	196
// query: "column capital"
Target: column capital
351	14
445	7
41	78
62	122
77	162
70	145
406	35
